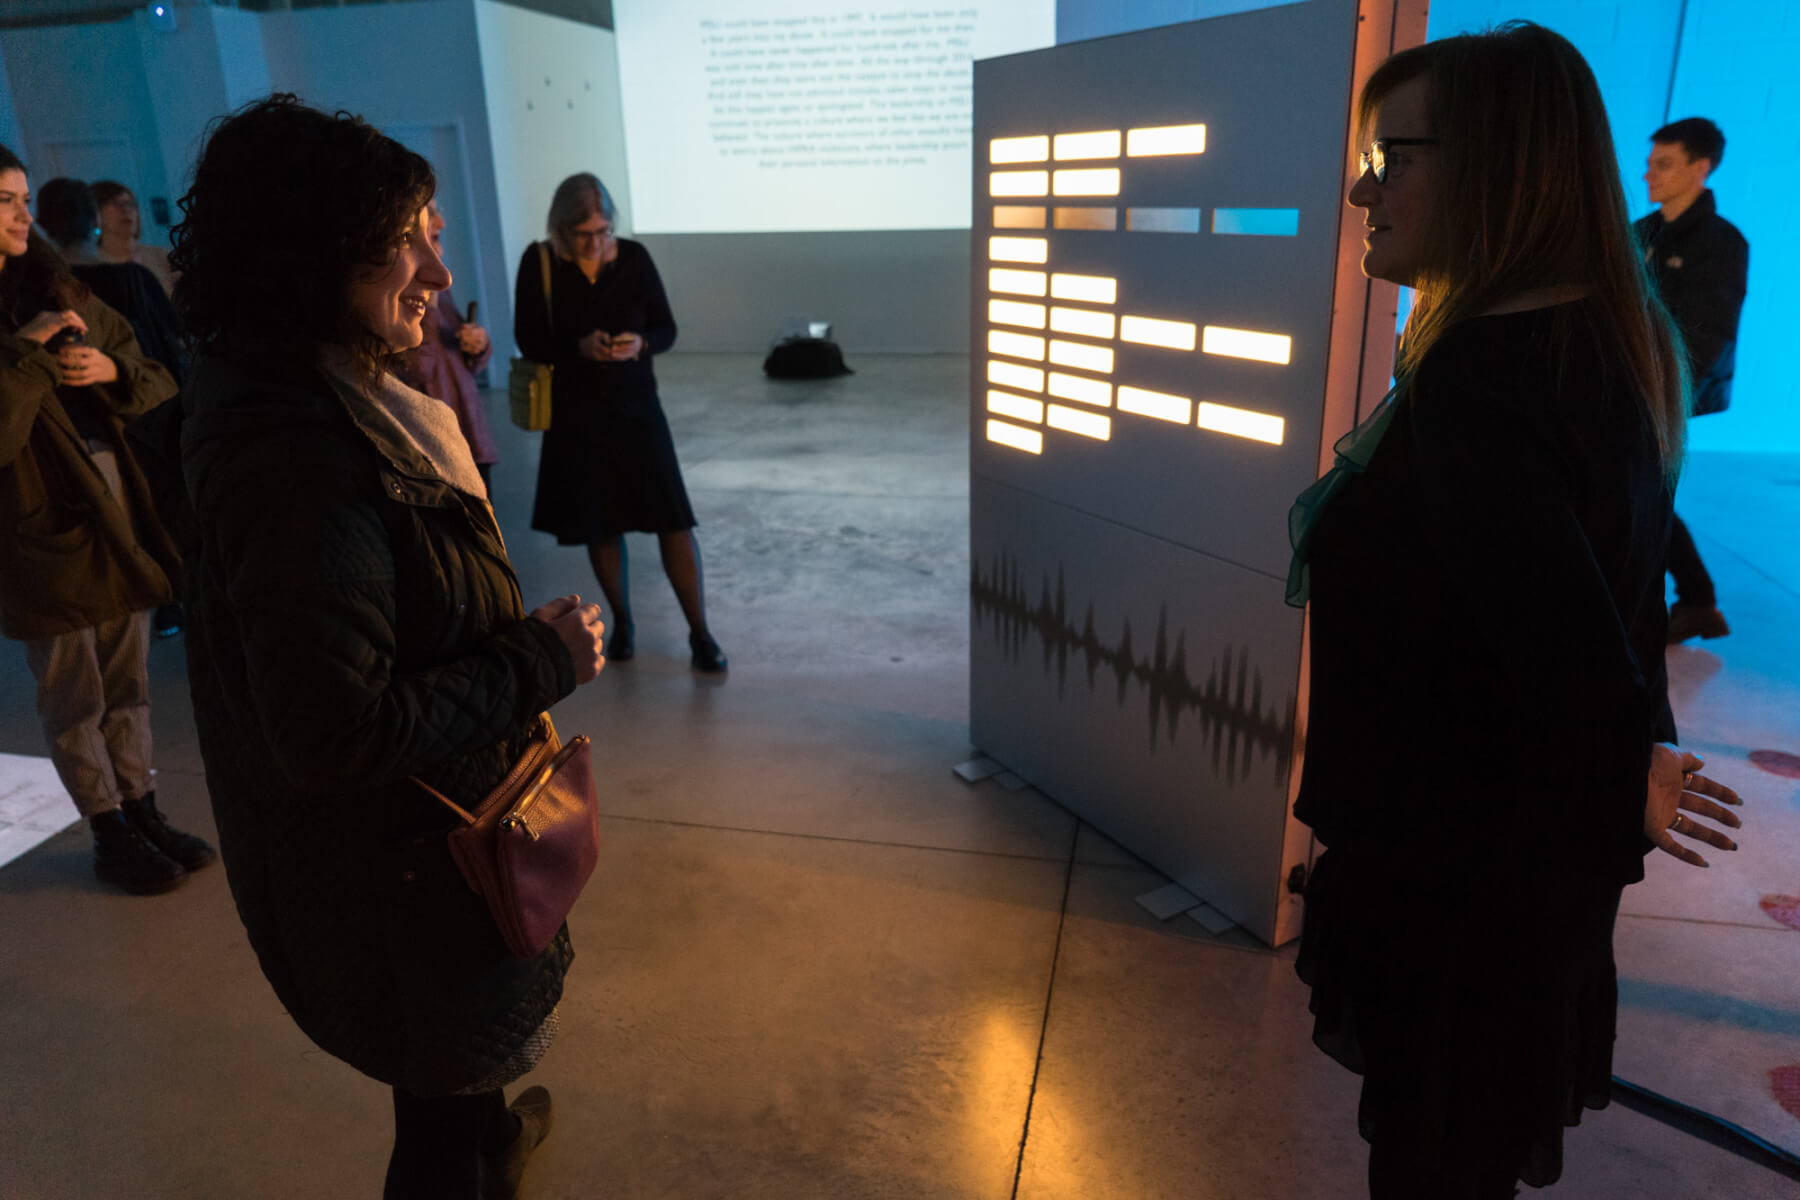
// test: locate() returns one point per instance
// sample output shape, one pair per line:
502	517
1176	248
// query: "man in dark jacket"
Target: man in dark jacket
1701	264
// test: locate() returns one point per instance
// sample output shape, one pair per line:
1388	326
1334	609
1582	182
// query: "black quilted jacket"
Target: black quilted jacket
352	621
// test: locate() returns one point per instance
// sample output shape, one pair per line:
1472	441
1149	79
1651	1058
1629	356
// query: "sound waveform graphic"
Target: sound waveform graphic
1229	706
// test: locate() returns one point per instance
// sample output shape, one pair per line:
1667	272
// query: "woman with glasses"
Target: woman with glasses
608	464
1487	759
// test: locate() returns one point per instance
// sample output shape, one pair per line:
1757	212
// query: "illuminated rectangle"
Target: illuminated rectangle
1019	149
1086	181
1083	322
1081	356
1240	422
1162	220
1018	437
1096	392
1018	216
1166	139
1015	345
1015	375
1102	144
1087	218
1090	289
1019	408
1018	249
1013	312
1018	183
1148	331
1246	343
1017	283
1076	420
1160	405
1257	222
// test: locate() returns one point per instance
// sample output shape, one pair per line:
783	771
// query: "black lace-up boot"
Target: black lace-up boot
191	852
126	859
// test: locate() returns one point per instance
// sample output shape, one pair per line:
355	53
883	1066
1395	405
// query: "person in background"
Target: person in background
444	363
355	631
1701	265
67	212
1487	775
608	462
82	556
120	228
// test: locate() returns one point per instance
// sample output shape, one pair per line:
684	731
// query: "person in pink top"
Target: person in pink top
443	366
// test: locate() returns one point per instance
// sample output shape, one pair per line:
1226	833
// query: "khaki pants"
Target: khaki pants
93	698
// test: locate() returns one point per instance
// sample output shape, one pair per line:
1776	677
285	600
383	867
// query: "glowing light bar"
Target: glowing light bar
1148	331
1085	181
1015	345
1082	322
1246	343
1028	440
1103	144
1166	139
1018	183
1160	405
1016	283
1012	312
1087	217
1019	408
1018	216
1096	392
1089	289
1082	357
1015	375
1163	220
1019	149
1241	422
1257	222
1076	420
1018	249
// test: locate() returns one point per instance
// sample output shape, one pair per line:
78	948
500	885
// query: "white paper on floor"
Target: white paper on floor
977	769
1171	900
33	805
1211	919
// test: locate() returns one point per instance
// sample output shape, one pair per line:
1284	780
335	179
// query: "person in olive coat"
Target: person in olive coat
82	556
354	630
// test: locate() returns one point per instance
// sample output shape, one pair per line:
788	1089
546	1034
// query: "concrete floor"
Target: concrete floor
812	963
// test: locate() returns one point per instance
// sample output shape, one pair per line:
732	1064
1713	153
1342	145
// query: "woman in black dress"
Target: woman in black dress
1485	567
608	463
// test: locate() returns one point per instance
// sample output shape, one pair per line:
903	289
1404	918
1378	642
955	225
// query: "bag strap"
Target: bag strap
542	724
544	264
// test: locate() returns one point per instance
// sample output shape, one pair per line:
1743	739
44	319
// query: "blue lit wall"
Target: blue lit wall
1656	60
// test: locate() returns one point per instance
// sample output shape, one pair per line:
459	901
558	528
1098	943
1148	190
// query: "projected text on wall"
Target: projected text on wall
1054	339
794	115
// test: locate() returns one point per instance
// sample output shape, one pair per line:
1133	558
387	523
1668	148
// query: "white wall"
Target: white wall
552	89
186	86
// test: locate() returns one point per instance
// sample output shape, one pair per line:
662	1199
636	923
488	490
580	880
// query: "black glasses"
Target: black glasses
1374	159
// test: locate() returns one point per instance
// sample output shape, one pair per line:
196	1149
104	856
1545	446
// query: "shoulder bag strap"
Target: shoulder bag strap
544	262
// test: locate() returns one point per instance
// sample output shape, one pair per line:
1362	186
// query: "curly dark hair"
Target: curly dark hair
289	205
37	280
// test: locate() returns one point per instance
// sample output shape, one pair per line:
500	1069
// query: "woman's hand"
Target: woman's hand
84	366
596	345
471	340
1675	785
581	630
47	325
626	346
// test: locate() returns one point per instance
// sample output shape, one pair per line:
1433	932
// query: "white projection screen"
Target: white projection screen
1168	326
783	116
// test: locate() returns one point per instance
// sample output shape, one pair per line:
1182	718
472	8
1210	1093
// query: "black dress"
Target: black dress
608	463
1487	681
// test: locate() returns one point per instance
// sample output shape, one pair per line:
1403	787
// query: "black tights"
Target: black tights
681	563
438	1143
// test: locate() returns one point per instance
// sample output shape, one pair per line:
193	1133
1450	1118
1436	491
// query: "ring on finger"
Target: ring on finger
1675	825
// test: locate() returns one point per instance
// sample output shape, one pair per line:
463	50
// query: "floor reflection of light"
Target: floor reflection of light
1015	282
1241	422
1019	438
1015	312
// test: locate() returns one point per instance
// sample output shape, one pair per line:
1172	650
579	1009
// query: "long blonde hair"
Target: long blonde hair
1527	187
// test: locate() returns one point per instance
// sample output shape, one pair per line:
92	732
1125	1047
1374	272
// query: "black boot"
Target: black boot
125	858
191	852
503	1164
708	658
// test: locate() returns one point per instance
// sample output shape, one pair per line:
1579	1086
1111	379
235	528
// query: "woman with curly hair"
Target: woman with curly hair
83	558
1488	767
355	630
